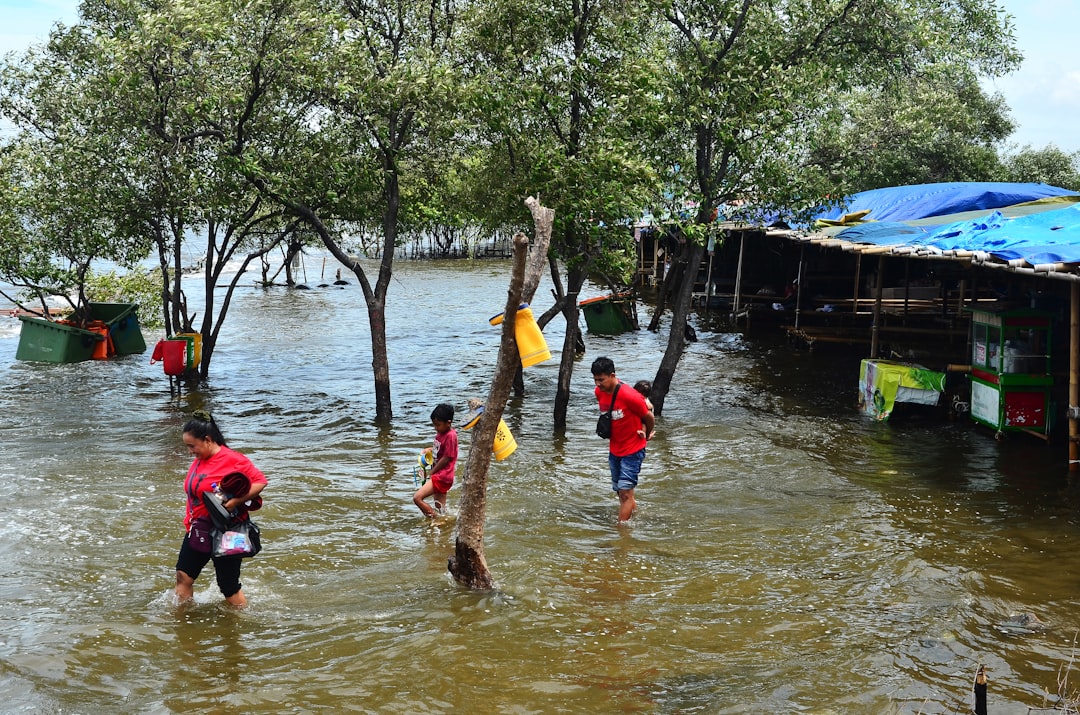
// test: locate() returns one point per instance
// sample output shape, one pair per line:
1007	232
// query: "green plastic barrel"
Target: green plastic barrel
607	315
123	323
45	341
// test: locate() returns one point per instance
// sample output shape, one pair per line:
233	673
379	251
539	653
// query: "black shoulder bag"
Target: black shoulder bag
603	424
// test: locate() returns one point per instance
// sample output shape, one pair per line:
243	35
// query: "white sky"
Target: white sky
1044	93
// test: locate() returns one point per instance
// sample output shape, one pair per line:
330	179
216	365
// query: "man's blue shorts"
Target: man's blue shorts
624	470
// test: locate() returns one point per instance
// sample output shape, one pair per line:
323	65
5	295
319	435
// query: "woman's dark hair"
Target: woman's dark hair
202	425
443	412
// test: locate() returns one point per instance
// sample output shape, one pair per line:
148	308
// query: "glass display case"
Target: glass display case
1010	369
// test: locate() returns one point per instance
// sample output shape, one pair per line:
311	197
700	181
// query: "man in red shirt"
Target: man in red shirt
632	426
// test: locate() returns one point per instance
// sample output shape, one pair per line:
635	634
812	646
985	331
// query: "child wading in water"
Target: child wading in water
444	453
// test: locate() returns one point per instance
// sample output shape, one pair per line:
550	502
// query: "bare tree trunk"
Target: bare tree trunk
290	254
673	278
677	336
468	565
380	361
161	240
574	280
177	273
543	218
557	292
211	325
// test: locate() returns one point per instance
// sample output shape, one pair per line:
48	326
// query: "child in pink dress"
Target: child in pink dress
444	453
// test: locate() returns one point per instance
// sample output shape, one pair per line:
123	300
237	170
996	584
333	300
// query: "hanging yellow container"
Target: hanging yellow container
504	444
530	341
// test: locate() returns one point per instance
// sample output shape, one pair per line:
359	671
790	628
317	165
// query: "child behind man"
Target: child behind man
643	388
444	454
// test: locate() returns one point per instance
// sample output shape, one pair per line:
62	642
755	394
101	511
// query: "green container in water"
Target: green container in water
123	322
44	341
609	314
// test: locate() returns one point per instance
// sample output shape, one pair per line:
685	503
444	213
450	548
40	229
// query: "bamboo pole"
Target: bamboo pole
708	273
875	329
978	691
1074	377
798	285
738	273
858	268
907	286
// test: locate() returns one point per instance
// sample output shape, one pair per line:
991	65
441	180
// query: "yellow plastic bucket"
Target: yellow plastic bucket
530	341
504	444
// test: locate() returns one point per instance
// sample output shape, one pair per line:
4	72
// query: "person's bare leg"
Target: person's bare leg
185	587
425	490
627	504
238	599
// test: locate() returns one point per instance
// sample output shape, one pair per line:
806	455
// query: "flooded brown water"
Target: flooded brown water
789	555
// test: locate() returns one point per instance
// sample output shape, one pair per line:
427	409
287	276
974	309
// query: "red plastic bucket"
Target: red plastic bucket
174	355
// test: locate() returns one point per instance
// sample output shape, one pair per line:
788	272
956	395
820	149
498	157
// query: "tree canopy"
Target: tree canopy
923	131
747	82
1049	165
360	123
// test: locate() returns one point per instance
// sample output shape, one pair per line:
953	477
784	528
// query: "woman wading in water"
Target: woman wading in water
214	461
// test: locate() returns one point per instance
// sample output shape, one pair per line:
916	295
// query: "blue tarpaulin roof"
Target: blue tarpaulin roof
1048	237
1038	233
906	203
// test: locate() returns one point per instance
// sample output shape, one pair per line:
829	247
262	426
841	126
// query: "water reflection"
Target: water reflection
788	554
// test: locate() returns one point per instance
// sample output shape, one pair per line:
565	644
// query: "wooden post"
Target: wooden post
876	328
798	285
907	285
708	271
979	692
641	254
738	274
858	269
1074	376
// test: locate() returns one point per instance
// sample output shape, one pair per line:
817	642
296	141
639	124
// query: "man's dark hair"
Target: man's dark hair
603	366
